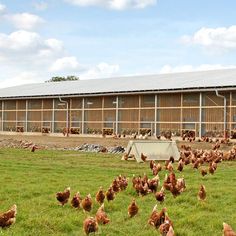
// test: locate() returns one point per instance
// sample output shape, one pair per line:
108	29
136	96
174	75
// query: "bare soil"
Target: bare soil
54	142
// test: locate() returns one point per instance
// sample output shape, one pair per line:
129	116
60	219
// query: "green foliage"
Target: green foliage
62	78
31	180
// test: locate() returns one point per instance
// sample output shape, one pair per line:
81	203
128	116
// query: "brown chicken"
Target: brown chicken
100	196
170	167
203	172
9	217
110	194
153	183
76	200
227	230
87	203
63	197
156	219
101	216
170	232
143	157
160	196
202	193
90	225
133	209
180	165
152	163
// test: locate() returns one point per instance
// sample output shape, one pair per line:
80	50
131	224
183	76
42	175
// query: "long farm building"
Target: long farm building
202	102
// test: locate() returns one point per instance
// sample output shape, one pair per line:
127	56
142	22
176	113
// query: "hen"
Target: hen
110	194
133	209
101	215
143	157
90	225
9	217
160	196
63	197
76	200
156	219
227	230
100	196
180	165
87	203
170	232
202	193
203	172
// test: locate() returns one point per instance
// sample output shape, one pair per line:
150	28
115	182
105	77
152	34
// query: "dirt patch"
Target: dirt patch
57	142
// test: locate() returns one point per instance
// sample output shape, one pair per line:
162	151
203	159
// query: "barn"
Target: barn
202	102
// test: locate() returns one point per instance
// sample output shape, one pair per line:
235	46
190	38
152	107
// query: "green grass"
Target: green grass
31	180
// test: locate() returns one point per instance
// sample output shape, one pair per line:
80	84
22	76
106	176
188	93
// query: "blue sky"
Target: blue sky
111	38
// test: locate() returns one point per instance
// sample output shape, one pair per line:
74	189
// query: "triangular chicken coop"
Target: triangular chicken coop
153	149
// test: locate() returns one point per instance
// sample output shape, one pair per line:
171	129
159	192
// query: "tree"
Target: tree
63	78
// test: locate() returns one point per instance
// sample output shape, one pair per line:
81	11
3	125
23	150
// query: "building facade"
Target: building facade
208	110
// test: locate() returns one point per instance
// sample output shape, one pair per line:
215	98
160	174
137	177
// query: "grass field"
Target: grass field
31	180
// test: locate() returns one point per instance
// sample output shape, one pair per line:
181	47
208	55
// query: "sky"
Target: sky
93	39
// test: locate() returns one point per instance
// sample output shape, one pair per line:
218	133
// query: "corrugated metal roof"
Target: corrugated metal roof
159	82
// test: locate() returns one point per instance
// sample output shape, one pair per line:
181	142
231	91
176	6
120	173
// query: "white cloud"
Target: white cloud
21	78
215	38
65	64
189	68
40	6
2	8
25	20
102	70
114	4
24	43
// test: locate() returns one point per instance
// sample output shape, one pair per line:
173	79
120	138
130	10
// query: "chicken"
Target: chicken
33	148
203	172
125	157
180	184
152	163
133	209
170	232
110	194
156	219
143	157
90	225
211	169
175	190
100	196
153	183
115	186
202	193
160	196
87	203
123	182
101	216
63	197
227	230
76	200
164	227
9	217
170	167
180	165
171	159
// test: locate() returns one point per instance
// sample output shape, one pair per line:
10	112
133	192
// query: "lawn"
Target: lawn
31	180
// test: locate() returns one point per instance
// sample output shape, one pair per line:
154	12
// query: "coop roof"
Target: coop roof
220	79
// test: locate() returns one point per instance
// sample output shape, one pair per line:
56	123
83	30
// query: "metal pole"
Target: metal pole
82	125
67	116
26	115
225	114
2	114
200	115
155	114
117	116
